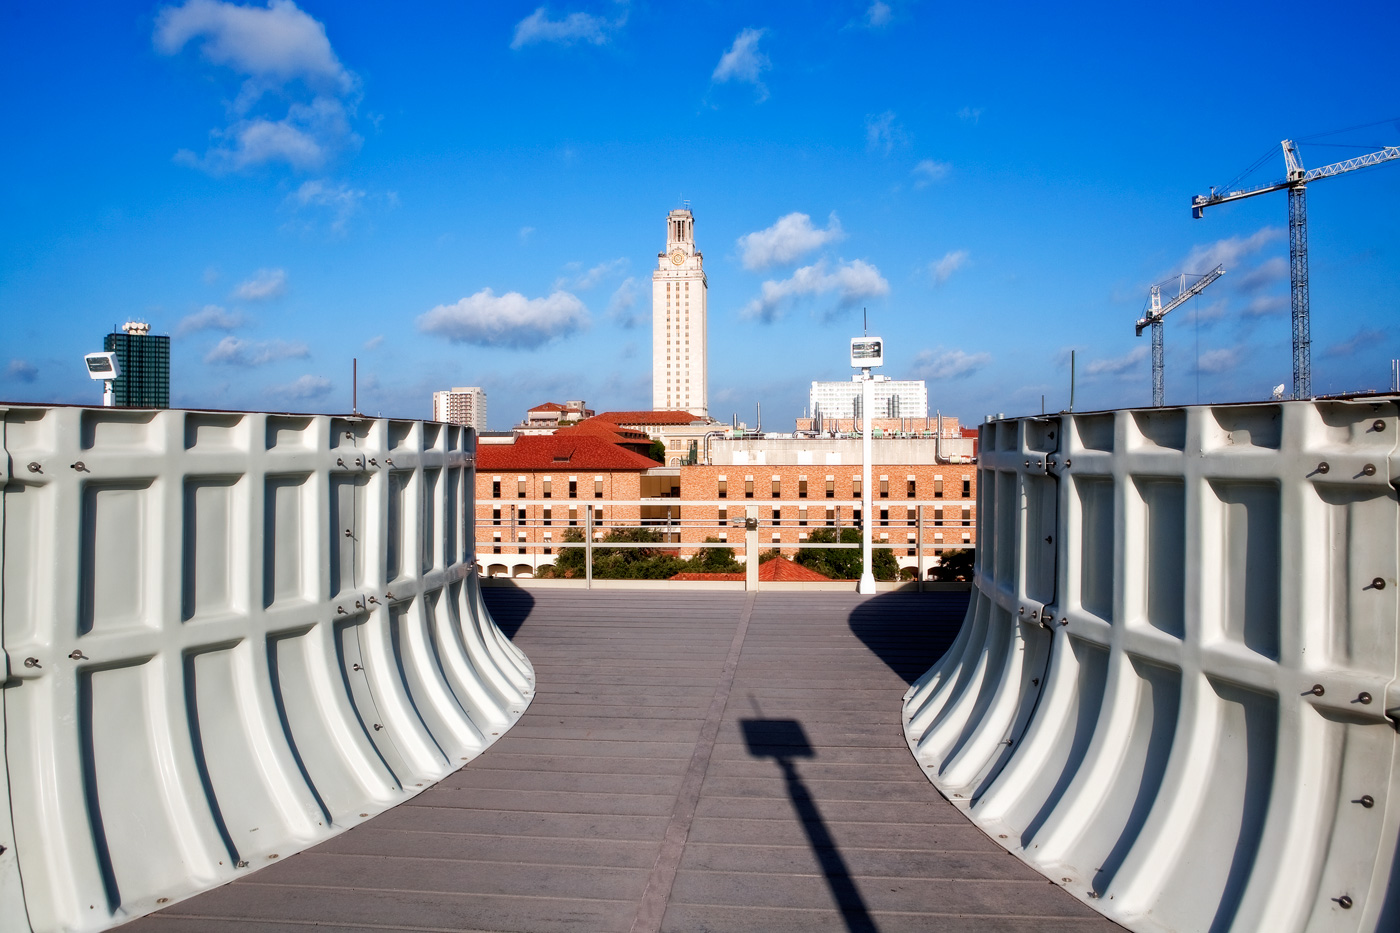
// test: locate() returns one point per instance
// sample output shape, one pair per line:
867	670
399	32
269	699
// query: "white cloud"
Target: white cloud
1116	366
1230	251
1268	273
509	320
948	364
928	171
21	371
237	352
1218	361
882	133
340	201
595	276
525	233
792	237
210	317
575	27
970	115
282	54
1361	340
623	300
268	283
1264	305
953	260
305	388
850	281
211	275
744	62
374	343
878	14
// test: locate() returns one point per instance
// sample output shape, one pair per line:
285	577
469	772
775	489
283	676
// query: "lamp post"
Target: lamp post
866	352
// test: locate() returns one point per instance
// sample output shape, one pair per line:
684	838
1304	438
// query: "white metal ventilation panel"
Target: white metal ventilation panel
227	637
1175	689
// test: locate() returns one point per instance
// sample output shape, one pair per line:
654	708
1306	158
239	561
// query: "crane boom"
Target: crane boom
1296	184
1155	313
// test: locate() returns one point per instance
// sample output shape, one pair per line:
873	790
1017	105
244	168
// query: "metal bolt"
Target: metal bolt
1028	463
80	466
31	662
77	655
1064	621
340	611
240	864
1035	681
1367	801
340	461
1346	901
34	467
1378	583
1324	467
374	599
1378	425
1369	469
162	900
388	595
1021	611
1048	539
359	604
1363	697
374	461
348	533
377	727
349	435
1317	690
356	667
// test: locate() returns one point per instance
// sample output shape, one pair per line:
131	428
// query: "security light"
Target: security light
867	351
102	366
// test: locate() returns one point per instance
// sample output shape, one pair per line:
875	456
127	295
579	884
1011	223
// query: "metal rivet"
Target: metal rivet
1363	697
1035	682
34	467
374	599
1346	901
240	864
31	662
1317	690
1028	463
364	814
348	533
1324	467
273	855
374	461
349	435
356	667
1021	611
388	595
340	611
1367	801
162	900
1378	583
1378	425
377	727
77	655
80	466
340	461
1369	469
1064	621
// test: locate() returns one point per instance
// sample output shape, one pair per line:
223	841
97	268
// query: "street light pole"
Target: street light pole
867	402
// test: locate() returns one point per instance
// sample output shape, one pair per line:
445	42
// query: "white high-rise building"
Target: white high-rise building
461	405
678	328
894	398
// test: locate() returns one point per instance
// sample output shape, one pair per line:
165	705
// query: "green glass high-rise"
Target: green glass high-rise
145	362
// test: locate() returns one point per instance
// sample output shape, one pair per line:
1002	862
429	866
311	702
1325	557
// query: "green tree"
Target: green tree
954	566
845	563
658	451
616	563
714	560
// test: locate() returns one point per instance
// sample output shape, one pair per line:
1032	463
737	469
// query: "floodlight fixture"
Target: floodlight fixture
104	366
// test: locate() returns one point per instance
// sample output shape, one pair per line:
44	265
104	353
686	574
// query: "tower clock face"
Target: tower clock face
677	256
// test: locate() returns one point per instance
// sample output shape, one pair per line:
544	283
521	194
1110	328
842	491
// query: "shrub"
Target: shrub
955	566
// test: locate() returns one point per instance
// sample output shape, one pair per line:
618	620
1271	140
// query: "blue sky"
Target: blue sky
462	194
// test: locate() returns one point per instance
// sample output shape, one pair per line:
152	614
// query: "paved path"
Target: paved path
692	762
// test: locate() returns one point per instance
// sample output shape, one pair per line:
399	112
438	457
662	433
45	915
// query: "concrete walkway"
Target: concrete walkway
692	762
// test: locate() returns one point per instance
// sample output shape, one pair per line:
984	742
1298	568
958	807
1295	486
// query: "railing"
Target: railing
227	636
1176	689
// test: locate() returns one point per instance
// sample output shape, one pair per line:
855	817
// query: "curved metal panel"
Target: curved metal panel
228	636
1175	691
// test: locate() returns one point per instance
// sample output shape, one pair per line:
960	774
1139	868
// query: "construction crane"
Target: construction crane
1155	313
1296	183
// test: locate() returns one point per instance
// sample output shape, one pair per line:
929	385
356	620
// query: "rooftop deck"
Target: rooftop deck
692	761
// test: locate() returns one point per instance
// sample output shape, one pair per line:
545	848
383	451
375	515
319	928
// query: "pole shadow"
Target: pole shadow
510	605
785	741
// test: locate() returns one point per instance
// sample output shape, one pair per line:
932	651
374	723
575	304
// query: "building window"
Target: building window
723	515
495	489
547	487
573	489
547	515
748	487
777	487
723	488
830	517
938	487
520	543
496	543
855	487
521	516
911	552
777	538
967	538
802	516
967	487
802	487
547	539
831	487
777	517
909	488
912	516
723	536
937	515
855	518
966	516
884	487
573	517
496	515
597	487
884	518
520	488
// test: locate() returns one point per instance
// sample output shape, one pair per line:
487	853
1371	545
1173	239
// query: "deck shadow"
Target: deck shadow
910	631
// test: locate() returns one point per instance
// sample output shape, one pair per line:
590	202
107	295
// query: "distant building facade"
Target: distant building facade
894	398
461	405
145	362
550	416
679	332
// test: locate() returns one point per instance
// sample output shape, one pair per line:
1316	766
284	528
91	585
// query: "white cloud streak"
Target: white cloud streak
882	132
303	389
789	239
340	201
953	260
744	62
268	283
510	320
851	282
567	30
210	317
1230	251
1213	362
939	364
235	351
929	171
1117	366
623	300
21	371
878	14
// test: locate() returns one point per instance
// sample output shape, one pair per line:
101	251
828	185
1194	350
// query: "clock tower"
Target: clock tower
678	331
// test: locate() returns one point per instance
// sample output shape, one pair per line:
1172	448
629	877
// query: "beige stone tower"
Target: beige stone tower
678	329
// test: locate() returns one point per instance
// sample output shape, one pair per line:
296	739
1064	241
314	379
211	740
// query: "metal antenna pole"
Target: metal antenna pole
1298	269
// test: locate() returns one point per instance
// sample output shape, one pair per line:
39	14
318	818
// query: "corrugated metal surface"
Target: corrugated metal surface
1170	692
229	636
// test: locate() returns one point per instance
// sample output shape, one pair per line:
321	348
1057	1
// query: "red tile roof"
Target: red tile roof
607	430
549	406
708	576
777	570
553	452
649	417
